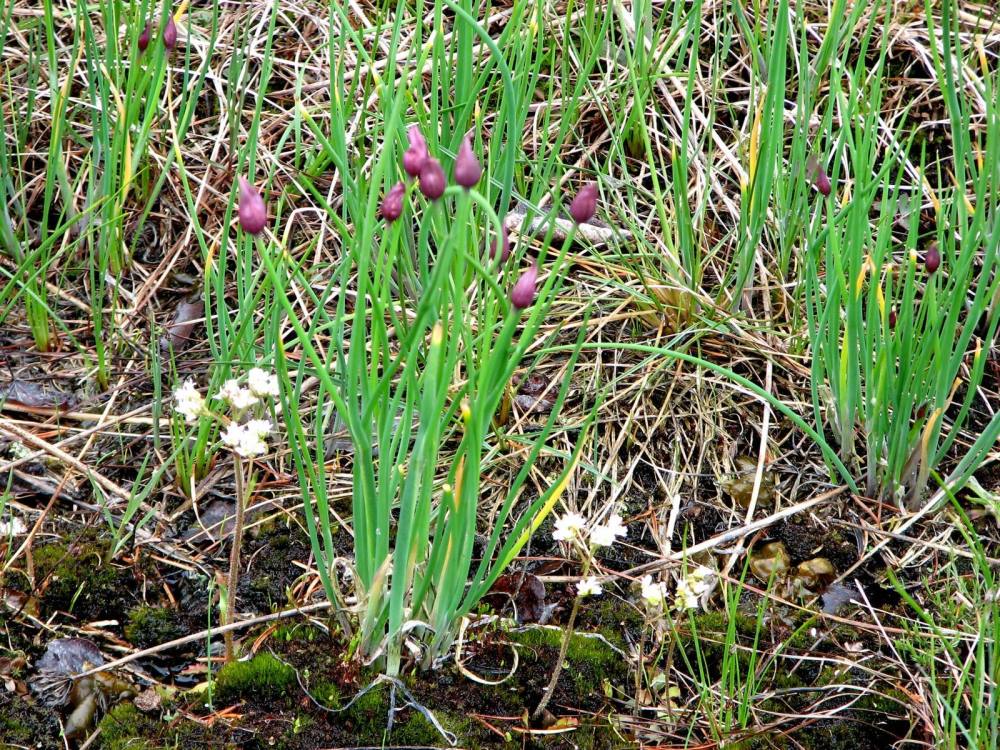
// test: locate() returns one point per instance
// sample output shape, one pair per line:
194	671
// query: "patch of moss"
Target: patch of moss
27	724
77	580
124	727
591	661
264	677
150	626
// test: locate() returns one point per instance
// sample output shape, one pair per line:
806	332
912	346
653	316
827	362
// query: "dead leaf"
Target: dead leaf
30	395
527	593
180	332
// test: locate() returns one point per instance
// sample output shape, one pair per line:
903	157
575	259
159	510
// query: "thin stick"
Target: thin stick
284	614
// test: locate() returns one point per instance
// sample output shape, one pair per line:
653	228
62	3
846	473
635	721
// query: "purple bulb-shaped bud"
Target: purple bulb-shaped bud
253	212
504	245
523	293
468	170
392	204
145	36
932	258
432	179
170	34
584	205
415	156
820	179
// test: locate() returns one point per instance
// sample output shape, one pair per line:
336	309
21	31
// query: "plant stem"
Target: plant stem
234	556
563	648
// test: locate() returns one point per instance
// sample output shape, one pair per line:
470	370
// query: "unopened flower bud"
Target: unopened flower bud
504	245
432	179
415	156
392	204
892	319
584	205
253	213
170	34
523	293
932	258
145	36
467	167
820	179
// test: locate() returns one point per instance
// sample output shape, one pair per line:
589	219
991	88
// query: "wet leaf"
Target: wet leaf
771	559
527	592
83	697
180	332
812	576
18	602
739	486
535	396
836	597
31	395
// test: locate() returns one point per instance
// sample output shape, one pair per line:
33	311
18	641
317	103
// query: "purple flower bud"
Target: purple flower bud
392	204
820	179
932	258
467	167
504	245
523	293
584	205
415	156
170	34
892	319
253	212
144	36
432	179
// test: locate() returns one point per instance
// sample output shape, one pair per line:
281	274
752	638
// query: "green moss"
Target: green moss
591	661
264	677
77	580
150	626
27	724
126	728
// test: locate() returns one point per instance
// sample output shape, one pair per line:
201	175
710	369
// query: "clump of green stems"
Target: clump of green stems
901	344
415	371
90	209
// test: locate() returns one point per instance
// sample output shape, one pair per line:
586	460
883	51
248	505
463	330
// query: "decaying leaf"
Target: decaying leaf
812	576
739	486
536	395
180	332
527	592
770	560
28	394
82	697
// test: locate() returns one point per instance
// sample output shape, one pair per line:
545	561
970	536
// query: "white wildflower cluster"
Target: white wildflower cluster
573	527
248	439
693	587
606	535
190	403
654	593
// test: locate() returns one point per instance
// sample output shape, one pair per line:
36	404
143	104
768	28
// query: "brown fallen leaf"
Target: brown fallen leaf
180	332
527	592
30	395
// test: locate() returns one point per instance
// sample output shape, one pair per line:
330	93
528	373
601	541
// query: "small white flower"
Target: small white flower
605	536
252	441
693	587
262	383
238	397
589	586
569	527
189	402
685	597
233	435
654	594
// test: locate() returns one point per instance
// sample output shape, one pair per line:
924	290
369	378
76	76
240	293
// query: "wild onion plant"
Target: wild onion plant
901	319
430	327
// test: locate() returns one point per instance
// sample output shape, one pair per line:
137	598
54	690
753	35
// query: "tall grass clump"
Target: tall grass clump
412	350
901	316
